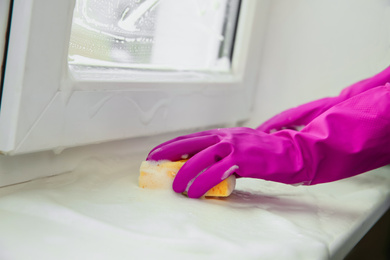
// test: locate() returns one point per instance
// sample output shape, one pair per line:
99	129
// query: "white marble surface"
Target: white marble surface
97	211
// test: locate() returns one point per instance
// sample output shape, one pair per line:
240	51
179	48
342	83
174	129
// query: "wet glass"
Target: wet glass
179	35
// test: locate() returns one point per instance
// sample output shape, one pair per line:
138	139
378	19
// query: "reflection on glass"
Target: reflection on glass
154	34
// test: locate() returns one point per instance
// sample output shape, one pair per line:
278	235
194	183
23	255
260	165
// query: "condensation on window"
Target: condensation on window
154	34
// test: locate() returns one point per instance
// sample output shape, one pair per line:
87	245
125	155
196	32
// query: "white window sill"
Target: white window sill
97	211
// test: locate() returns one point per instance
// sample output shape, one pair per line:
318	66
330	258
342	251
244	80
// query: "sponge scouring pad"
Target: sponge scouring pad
160	175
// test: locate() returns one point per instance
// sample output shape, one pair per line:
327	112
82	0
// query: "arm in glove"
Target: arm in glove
349	138
302	115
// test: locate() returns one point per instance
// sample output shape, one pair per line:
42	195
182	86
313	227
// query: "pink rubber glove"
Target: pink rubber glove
300	116
348	139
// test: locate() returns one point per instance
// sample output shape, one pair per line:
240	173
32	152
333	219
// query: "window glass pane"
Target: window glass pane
154	34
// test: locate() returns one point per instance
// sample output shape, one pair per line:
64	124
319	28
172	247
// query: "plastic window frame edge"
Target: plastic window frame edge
5	15
42	100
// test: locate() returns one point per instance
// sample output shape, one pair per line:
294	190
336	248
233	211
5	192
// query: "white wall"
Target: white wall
314	48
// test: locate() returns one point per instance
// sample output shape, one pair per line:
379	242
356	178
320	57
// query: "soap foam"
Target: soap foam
230	171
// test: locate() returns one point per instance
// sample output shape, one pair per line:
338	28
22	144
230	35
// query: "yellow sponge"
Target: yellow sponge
160	175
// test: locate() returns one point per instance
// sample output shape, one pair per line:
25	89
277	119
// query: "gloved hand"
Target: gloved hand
300	116
350	138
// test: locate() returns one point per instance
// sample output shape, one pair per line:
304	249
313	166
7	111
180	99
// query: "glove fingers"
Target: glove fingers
211	177
198	164
180	149
177	139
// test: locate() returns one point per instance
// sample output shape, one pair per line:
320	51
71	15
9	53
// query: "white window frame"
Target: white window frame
45	107
4	12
